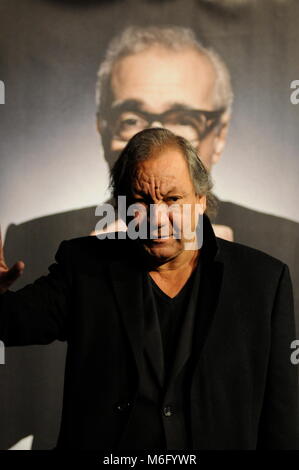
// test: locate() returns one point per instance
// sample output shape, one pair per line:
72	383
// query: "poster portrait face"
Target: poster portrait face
185	102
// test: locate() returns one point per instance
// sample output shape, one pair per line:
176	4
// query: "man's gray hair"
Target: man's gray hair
142	147
136	39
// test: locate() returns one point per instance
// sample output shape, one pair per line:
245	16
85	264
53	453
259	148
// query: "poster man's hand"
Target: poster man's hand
223	231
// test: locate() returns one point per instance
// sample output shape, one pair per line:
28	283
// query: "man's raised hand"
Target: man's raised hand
8	276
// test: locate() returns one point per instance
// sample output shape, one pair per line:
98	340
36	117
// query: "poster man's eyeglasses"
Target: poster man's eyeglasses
193	124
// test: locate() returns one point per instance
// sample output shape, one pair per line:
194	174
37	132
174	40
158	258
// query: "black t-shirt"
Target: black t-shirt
171	312
148	428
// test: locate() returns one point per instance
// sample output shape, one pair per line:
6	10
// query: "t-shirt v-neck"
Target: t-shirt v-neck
171	313
181	294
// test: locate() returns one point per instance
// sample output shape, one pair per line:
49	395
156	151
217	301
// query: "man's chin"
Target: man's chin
162	250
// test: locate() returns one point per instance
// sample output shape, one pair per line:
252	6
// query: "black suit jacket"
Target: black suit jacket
244	387
36	409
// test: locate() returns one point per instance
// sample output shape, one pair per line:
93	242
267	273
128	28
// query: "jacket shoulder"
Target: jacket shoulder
112	245
251	258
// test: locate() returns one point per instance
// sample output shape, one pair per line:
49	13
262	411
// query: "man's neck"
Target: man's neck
173	275
180	267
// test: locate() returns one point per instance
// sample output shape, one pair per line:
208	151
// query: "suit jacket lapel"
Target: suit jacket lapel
210	288
127	284
137	309
185	339
153	338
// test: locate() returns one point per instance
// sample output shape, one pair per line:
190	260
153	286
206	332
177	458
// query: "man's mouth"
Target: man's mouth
160	239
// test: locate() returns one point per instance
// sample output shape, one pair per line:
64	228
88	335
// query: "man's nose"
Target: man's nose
158	215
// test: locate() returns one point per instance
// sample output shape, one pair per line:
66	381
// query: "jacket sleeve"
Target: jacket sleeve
278	428
37	313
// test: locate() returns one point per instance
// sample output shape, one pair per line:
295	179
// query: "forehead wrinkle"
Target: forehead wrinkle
150	180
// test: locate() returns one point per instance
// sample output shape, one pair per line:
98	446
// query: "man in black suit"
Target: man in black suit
176	339
151	76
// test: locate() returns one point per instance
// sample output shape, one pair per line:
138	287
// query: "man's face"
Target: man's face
163	187
169	85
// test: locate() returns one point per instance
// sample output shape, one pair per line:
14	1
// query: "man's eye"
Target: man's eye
128	120
185	121
172	198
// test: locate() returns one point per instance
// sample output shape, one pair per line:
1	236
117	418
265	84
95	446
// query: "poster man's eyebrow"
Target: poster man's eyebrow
179	107
127	105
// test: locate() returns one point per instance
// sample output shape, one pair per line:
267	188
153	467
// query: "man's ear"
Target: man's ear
101	125
220	138
202	200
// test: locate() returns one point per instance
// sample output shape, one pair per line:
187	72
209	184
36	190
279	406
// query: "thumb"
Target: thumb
11	275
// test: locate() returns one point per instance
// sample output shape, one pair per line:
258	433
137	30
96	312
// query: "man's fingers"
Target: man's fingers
10	276
19	265
15	271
